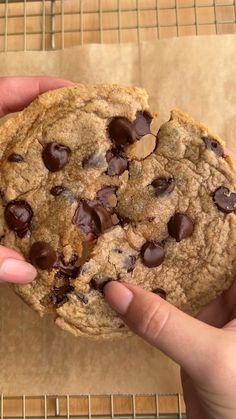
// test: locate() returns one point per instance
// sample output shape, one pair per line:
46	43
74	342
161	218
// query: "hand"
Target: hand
15	94
204	347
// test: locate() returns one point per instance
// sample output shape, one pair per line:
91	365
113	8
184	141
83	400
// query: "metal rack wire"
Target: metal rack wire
151	406
56	24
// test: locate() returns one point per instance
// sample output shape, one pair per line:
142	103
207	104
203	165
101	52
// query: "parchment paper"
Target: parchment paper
198	75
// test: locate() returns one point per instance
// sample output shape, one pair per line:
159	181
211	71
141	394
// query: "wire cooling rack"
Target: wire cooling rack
57	24
151	406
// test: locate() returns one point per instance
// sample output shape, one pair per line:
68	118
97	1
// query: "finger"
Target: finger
18	92
221	310
13	267
194	409
186	340
230	153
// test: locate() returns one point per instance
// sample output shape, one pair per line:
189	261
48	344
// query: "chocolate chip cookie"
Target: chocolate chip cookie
83	204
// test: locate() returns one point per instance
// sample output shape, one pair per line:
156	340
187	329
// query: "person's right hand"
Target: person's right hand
15	94
204	347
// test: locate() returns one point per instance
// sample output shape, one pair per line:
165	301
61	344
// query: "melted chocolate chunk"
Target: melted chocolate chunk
121	131
225	200
129	263
55	156
117	163
1	194
104	217
214	146
57	297
160	292
42	255
98	283
17	158
163	186
105	196
67	269
57	190
180	226
18	216
86	218
82	297
92	217
142	124
152	254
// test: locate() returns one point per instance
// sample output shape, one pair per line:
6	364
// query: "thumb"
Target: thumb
186	340
13	267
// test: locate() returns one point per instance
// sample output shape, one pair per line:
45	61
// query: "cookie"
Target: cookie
84	204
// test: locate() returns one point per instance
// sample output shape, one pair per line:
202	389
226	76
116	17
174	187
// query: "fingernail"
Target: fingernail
118	296
18	271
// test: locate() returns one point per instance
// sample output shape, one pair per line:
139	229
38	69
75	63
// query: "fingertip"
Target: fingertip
17	271
230	153
118	296
52	83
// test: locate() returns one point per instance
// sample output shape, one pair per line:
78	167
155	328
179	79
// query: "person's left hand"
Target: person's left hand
15	94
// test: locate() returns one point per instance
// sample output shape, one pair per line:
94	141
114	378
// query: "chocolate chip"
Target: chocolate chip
129	263
61	294
49	300
160	292
225	200
152	254
92	217
57	190
142	123
55	156
105	196
98	283
180	226
117	162
86	218
17	158
22	233
67	269
42	255
1	194
18	216
57	297
163	186
82	297
121	131
104	217
214	146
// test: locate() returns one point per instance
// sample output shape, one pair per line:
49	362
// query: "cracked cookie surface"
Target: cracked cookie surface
80	203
